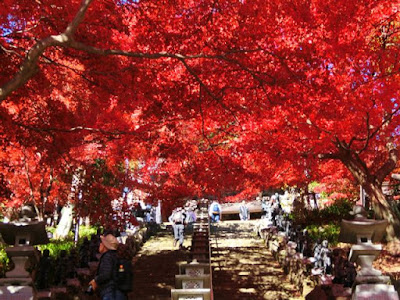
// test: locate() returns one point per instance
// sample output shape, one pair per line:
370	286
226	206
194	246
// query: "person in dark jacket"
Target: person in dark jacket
104	283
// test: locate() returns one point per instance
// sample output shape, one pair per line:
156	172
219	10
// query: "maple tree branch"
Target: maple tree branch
71	28
385	121
370	134
390	164
329	156
75	129
28	177
92	82
10	51
51	61
367	139
203	129
29	67
104	52
208	91
248	70
334	139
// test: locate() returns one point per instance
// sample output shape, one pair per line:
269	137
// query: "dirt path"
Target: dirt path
243	268
156	267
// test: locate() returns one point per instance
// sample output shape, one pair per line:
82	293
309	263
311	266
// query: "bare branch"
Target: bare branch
208	91
76	129
203	129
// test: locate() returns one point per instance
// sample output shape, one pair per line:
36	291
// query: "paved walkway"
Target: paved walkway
243	268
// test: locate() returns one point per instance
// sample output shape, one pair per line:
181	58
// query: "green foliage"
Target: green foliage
104	173
323	224
330	214
55	246
312	185
3	261
87	231
339	210
328	232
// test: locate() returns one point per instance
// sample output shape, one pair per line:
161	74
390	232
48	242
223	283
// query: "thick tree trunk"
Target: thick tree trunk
372	184
67	212
383	210
65	224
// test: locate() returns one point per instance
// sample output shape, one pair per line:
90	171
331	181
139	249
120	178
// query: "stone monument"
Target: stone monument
23	236
369	282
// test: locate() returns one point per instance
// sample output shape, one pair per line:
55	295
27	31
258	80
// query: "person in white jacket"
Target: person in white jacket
244	214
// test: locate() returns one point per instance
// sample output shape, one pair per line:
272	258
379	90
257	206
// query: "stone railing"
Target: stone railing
300	269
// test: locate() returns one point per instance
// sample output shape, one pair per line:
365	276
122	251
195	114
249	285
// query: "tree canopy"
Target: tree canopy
204	97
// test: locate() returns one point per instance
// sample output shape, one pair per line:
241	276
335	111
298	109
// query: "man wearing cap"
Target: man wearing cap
103	282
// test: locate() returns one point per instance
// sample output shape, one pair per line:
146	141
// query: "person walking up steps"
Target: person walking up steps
178	219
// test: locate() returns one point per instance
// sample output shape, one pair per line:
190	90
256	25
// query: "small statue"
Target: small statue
84	254
326	257
60	272
339	261
93	247
351	274
322	257
279	220
44	271
287	225
72	263
266	206
306	244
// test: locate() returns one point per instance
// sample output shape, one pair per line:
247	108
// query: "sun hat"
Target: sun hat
110	242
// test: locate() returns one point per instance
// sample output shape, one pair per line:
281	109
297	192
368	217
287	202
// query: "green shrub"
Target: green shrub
56	246
87	231
328	232
3	261
330	214
323	224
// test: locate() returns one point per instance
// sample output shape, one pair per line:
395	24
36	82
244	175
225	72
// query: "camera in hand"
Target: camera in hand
89	290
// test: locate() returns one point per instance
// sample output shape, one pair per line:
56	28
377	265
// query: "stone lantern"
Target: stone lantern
364	233
21	236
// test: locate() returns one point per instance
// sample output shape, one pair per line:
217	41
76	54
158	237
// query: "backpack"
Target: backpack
216	207
123	275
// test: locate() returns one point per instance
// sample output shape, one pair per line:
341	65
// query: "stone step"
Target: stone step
195	294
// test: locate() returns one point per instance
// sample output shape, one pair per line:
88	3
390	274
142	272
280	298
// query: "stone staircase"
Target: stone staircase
242	266
194	280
